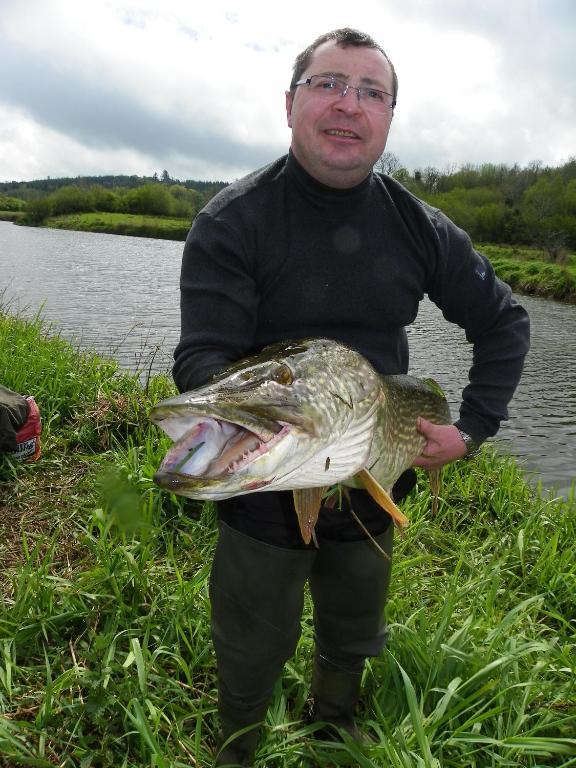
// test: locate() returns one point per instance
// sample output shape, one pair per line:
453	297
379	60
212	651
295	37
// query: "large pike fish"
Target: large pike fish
300	416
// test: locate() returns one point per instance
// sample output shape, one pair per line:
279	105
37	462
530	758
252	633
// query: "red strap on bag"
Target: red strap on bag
28	436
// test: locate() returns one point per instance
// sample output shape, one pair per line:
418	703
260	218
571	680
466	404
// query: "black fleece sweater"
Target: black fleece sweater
279	256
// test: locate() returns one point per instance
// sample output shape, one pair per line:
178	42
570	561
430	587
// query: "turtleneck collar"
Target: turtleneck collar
321	194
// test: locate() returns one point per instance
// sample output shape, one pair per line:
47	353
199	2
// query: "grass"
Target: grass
11	215
105	654
123	224
530	271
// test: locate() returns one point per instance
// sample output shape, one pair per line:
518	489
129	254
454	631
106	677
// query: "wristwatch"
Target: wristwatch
472	447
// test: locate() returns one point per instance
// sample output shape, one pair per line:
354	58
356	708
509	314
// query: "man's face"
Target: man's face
338	140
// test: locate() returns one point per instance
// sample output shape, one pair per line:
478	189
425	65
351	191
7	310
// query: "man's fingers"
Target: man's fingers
443	444
425	427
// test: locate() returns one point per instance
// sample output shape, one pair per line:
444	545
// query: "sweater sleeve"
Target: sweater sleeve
218	302
469	294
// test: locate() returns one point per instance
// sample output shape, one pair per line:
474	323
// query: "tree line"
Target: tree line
535	205
149	199
157	195
29	190
510	205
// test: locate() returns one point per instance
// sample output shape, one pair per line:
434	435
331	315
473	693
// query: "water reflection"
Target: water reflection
119	295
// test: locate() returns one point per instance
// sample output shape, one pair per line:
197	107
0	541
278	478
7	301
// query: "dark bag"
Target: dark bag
13	416
20	426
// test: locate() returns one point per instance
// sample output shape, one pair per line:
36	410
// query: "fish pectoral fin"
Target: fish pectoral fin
307	502
382	497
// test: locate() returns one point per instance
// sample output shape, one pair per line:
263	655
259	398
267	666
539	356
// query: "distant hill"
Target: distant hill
28	190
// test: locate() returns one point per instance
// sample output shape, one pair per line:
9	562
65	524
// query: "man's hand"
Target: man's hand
443	444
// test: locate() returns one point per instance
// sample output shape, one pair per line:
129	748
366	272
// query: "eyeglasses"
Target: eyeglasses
328	87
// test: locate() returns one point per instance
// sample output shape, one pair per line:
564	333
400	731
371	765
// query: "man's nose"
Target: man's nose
349	99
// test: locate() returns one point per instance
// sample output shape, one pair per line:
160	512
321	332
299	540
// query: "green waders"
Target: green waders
349	585
257	595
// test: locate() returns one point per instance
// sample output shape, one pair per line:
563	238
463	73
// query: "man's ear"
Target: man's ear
289	100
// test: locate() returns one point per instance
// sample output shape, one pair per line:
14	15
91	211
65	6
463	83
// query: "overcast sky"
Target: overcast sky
137	86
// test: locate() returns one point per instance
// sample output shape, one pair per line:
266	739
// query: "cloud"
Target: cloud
152	99
491	83
97	114
98	84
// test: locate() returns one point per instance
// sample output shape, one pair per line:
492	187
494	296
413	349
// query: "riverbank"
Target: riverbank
161	227
529	271
526	270
13	216
106	657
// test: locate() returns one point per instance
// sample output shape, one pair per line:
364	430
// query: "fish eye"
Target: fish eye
283	375
245	376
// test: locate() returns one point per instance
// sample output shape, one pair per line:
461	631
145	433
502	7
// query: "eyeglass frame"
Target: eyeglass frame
346	87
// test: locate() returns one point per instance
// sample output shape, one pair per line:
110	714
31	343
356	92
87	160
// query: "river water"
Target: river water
119	296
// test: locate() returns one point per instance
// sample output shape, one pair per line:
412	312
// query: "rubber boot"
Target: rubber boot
257	596
238	750
335	692
349	585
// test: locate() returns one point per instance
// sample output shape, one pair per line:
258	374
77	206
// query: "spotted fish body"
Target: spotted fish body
300	416
396	441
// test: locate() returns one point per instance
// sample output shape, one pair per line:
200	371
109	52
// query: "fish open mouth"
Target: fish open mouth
212	449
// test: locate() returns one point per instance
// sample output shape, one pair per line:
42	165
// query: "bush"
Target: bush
11	204
150	200
37	211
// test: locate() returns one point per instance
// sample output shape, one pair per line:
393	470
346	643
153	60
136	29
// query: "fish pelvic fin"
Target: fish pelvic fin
435	477
382	497
307	502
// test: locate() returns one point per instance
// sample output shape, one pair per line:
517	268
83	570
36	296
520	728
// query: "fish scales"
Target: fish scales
397	441
299	416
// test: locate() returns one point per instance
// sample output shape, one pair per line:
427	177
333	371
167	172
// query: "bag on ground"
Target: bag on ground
20	425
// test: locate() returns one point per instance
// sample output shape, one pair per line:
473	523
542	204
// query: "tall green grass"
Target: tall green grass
529	271
105	654
163	227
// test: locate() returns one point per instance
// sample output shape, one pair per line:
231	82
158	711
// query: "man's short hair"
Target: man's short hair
342	37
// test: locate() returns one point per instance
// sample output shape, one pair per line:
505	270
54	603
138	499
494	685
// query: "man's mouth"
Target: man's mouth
341	133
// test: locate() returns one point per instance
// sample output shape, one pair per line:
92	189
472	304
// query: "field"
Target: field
123	224
105	654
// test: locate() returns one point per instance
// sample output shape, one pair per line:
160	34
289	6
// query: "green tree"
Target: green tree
105	199
187	201
150	200
71	199
37	211
545	209
11	204
490	222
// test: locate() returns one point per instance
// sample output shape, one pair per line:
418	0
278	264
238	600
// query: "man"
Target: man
316	244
